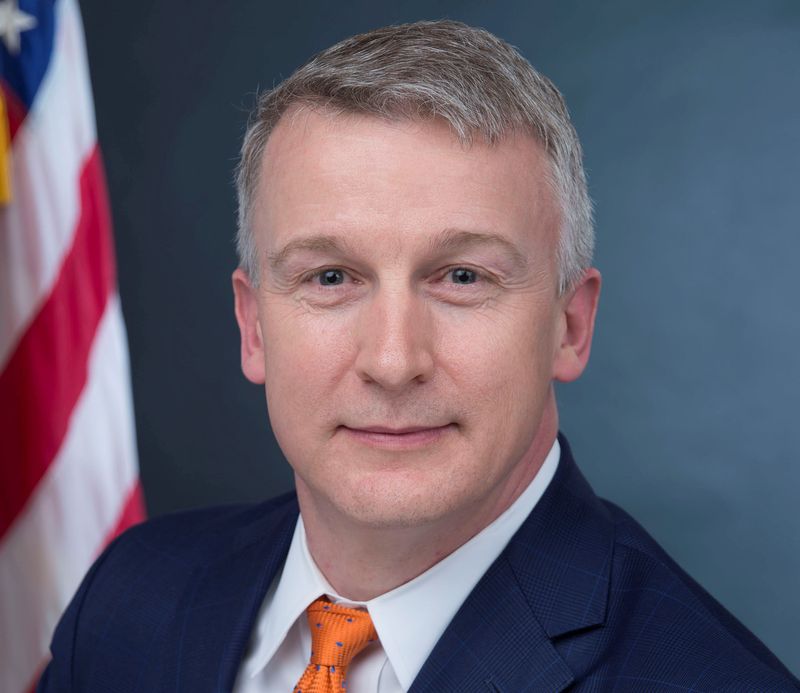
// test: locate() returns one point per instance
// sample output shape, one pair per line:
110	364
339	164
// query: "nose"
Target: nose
395	340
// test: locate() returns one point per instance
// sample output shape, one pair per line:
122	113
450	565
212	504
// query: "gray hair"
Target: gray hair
477	83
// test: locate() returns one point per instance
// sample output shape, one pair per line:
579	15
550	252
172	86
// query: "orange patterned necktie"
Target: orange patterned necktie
338	634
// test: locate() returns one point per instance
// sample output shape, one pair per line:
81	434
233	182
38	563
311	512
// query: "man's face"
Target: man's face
407	325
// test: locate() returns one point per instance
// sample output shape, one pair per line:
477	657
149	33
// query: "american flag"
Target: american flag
68	465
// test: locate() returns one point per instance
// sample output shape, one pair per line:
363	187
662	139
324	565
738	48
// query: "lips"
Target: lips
387	430
397	438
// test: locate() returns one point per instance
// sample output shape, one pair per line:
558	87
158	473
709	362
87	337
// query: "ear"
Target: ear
246	308
577	327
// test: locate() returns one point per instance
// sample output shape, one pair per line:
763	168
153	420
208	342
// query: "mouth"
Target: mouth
391	438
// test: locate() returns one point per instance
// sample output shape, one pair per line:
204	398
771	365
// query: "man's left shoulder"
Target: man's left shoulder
619	610
664	625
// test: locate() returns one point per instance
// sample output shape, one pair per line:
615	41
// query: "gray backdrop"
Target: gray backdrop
689	115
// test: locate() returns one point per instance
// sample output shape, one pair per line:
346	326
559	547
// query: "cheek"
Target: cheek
304	358
503	358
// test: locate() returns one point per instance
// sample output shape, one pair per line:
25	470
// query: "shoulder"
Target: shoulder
166	551
190	535
664	621
131	602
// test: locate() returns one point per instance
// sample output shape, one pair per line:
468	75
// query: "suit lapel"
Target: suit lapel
552	579
494	643
222	601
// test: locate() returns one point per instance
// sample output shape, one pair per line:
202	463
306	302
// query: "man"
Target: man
415	242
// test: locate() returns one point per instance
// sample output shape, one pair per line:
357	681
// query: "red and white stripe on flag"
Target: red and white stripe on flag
68	466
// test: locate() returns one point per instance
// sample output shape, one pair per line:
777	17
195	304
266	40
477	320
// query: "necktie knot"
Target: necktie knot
338	633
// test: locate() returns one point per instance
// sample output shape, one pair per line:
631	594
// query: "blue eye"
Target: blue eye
331	277
462	275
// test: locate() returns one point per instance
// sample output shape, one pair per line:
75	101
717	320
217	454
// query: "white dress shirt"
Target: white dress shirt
281	642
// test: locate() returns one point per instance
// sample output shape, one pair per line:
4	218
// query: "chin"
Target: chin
379	503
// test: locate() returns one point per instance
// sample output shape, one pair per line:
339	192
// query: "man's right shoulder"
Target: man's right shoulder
161	554
128	615
189	536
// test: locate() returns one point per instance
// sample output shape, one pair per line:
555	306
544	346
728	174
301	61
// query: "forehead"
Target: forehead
357	174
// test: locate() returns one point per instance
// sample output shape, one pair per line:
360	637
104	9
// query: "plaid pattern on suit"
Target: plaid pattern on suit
582	599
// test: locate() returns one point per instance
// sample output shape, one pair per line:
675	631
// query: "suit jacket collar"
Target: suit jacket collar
552	579
222	601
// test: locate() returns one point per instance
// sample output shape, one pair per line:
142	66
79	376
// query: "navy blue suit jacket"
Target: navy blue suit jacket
582	599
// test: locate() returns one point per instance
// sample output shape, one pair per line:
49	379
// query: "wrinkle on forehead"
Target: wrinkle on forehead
322	173
447	240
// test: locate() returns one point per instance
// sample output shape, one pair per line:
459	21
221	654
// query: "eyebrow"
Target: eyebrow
321	244
456	239
449	239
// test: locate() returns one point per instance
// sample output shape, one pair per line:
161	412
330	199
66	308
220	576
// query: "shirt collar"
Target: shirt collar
441	590
300	583
438	592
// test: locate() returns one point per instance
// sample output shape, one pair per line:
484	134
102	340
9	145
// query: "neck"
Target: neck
363	561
